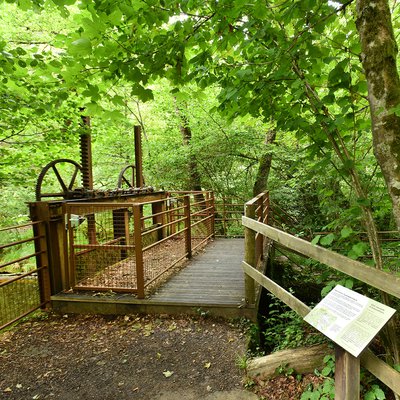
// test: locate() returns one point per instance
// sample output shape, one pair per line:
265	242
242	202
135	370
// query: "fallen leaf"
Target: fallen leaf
148	330
158	356
18	386
207	365
172	327
136	327
7	390
167	374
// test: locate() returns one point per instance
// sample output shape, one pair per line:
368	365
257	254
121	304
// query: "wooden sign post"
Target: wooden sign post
347	375
351	320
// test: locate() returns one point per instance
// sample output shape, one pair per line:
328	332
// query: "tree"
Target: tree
379	55
296	63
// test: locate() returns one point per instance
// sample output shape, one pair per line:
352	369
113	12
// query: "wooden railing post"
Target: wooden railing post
259	236
266	208
249	254
188	227
347	375
138	250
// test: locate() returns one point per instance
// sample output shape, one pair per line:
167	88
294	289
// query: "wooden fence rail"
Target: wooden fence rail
381	280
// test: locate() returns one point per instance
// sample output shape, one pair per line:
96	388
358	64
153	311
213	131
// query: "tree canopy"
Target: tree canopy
295	66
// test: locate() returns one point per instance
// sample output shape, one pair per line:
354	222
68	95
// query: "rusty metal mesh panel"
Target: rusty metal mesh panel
18	298
19	288
161	257
202	214
101	244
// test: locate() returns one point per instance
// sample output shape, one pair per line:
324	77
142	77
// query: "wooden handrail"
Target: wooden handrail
381	280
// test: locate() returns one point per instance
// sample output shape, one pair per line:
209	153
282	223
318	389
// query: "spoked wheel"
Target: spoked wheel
66	172
126	178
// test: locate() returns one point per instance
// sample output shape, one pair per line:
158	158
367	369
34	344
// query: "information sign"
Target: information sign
348	318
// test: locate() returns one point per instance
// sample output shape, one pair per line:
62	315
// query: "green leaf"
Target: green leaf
142	93
364	202
357	250
81	46
316	239
349	283
326	371
346	232
328	239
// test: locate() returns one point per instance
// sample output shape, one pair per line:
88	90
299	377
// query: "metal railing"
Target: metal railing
24	279
125	247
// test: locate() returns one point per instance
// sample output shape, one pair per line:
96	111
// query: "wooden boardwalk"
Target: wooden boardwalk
212	282
214	277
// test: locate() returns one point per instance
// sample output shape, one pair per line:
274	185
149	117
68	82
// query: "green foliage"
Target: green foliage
326	391
284	328
375	392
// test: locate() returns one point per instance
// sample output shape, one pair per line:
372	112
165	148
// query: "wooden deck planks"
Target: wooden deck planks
213	277
213	282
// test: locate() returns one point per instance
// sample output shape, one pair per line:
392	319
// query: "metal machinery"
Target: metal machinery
130	179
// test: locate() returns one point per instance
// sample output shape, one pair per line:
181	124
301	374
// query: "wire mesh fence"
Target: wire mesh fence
23	271
129	247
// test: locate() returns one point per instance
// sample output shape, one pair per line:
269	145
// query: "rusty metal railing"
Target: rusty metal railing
228	217
128	247
24	279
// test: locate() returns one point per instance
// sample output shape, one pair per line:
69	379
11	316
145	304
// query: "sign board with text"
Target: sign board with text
348	318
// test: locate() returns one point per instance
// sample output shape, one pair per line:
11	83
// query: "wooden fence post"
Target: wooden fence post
188	227
266	208
138	250
249	254
347	375
259	237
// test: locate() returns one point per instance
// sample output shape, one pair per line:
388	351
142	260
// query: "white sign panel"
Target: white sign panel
349	319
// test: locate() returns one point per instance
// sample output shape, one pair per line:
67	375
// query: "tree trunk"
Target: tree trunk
390	339
264	166
194	175
379	52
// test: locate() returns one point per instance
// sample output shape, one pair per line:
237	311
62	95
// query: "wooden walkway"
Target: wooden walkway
212	283
214	277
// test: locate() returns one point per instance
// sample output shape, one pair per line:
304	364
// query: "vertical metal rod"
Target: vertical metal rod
86	154
138	156
126	227
72	264
87	171
138	250
188	227
212	204
41	247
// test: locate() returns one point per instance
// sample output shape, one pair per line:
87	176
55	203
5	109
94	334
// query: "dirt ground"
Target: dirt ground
125	357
